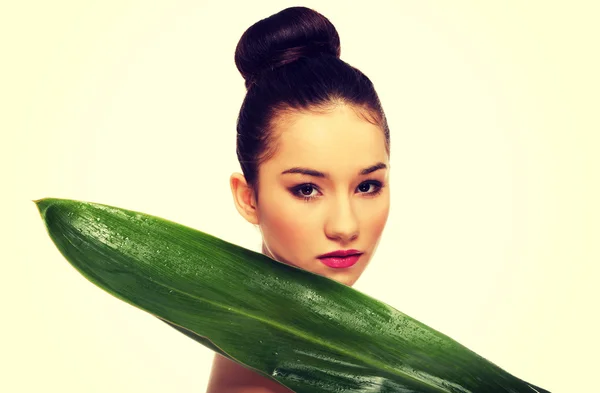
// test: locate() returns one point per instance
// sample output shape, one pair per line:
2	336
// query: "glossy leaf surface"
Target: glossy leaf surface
307	332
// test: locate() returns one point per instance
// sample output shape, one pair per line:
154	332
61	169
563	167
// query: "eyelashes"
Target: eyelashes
299	190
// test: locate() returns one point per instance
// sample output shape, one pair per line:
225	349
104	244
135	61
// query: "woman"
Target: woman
313	144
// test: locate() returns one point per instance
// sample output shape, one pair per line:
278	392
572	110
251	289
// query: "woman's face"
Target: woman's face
302	215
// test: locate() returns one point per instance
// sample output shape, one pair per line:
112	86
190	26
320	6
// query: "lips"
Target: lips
339	262
340	258
340	254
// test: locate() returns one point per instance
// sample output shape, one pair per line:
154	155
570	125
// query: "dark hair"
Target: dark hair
290	62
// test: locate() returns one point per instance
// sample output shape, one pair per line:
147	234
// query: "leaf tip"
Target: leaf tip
43	204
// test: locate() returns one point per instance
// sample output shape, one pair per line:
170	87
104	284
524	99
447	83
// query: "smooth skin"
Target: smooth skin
346	209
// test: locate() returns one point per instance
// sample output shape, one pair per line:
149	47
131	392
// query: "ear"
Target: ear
243	197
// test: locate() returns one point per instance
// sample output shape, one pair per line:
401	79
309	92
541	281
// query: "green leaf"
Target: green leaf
305	331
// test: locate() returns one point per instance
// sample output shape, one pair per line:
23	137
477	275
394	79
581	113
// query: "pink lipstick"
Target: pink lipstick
340	258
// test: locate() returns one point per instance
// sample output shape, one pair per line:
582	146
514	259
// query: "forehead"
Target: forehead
334	141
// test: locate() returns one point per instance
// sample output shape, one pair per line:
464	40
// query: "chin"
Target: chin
336	276
343	279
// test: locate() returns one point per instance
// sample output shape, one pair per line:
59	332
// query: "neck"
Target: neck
266	251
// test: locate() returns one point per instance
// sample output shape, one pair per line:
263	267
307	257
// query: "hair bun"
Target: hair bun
283	38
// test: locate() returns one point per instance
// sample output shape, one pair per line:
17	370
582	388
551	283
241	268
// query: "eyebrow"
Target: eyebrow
315	173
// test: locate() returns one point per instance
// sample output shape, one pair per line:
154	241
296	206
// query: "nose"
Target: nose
342	223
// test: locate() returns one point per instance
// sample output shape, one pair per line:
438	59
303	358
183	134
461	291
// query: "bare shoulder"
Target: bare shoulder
228	376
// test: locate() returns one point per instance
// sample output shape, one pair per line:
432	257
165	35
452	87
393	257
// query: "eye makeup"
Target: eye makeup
297	190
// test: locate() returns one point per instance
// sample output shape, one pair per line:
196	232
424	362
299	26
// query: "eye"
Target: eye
365	186
305	191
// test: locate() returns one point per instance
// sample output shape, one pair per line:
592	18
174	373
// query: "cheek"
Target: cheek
376	217
286	230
